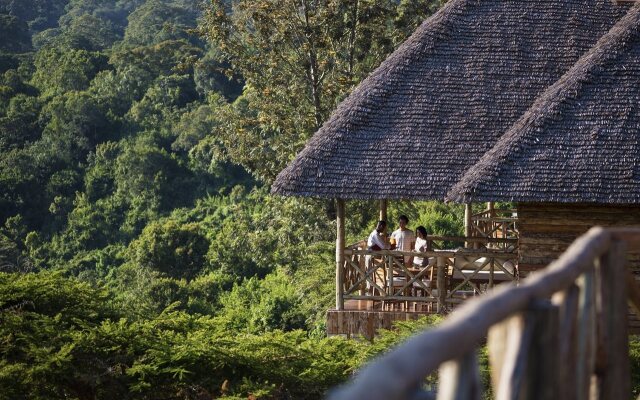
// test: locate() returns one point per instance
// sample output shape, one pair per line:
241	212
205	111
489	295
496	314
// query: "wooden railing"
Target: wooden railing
559	334
494	223
447	277
509	245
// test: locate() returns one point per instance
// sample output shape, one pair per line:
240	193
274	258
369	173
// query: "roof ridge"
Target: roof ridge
548	105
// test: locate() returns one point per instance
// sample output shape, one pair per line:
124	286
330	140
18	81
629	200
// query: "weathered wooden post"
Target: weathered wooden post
586	340
493	260
460	379
523	352
383	215
467	223
491	209
383	210
612	365
339	253
567	303
441	281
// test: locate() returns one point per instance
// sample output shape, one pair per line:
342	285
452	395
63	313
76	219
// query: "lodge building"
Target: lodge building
531	102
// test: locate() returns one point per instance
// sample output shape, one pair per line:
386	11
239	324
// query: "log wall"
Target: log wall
546	230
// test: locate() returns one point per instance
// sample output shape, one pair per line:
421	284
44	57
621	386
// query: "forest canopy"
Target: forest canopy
141	254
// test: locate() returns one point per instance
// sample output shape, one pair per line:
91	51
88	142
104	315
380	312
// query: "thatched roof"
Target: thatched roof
580	141
440	101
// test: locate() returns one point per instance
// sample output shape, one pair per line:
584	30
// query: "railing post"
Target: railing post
523	352
441	281
460	379
567	302
586	339
612	366
339	253
493	260
390	269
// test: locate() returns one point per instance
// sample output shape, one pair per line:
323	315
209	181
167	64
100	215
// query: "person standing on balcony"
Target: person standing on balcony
376	240
421	246
404	238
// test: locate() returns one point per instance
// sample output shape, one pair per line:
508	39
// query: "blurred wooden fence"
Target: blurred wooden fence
560	334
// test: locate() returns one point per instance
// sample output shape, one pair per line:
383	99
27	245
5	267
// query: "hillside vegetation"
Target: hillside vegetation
141	254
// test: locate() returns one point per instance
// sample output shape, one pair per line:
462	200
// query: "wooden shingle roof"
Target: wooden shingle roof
580	141
444	97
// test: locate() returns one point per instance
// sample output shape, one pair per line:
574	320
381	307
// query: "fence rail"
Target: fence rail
444	278
495	223
560	334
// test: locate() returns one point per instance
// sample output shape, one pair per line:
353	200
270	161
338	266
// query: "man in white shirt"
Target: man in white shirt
376	240
404	238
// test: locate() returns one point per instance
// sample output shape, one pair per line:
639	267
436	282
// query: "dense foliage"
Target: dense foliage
141	254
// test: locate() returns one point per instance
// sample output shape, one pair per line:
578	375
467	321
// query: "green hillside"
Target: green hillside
141	254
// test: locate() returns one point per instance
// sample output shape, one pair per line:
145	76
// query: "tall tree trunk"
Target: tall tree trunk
313	73
352	38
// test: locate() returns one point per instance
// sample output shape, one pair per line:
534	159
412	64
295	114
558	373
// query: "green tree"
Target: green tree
15	34
20	125
59	71
38	14
176	250
298	59
260	305
88	32
158	20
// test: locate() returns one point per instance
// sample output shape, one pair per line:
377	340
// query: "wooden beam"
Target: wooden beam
441	282
383	210
467	221
491	209
339	253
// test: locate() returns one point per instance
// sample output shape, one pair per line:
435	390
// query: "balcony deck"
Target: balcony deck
379	288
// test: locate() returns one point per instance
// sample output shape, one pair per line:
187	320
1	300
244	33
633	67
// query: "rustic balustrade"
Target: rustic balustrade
560	334
383	276
495	223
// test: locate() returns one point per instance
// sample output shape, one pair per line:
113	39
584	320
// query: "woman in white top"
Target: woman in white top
421	246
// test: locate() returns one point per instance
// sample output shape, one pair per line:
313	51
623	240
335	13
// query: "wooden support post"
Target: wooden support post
612	366
383	216
460	379
340	244
441	282
383	210
492	267
523	352
491	209
468	228
390	274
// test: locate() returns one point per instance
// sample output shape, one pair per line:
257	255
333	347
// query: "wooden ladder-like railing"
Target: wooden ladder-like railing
561	334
